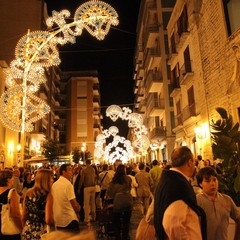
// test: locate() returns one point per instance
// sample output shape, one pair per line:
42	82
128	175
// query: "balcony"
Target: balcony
151	33
178	120
158	133
96	101
142	106
156	107
181	39
186	73
154	81
188	112
175	88
153	58
138	98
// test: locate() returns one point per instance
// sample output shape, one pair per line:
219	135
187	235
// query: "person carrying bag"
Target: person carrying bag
10	215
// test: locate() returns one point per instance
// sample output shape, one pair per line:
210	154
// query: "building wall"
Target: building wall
213	62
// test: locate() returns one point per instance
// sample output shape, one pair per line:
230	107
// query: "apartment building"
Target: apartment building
152	77
83	115
204	46
16	18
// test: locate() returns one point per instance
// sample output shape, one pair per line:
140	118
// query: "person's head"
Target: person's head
206	163
129	170
120	172
65	170
88	162
105	167
6	176
183	159
207	180
43	181
16	172
141	166
199	157
155	162
27	176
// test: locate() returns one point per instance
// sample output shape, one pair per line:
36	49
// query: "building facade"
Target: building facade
152	78
203	42
83	120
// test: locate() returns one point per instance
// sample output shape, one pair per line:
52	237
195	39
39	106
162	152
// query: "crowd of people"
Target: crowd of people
178	200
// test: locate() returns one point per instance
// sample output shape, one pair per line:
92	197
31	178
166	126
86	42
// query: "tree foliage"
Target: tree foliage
225	137
51	150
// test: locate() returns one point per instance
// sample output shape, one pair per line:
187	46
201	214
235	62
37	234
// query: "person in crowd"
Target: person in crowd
105	177
16	181
37	206
134	184
88	181
200	162
145	187
176	213
27	182
6	182
218	207
97	188
76	185
119	190
65	206
155	173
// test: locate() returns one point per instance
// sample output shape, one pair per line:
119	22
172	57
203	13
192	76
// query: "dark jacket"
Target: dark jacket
174	186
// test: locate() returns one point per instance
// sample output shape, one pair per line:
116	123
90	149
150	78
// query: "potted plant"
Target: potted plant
225	137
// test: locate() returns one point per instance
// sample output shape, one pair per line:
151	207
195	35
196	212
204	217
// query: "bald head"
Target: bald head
180	156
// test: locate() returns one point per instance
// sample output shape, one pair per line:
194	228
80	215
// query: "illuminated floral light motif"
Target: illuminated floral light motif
19	108
140	141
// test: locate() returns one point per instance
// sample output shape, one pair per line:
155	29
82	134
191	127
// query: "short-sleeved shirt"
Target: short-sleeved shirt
218	213
63	193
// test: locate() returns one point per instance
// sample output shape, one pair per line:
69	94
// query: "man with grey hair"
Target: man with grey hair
176	213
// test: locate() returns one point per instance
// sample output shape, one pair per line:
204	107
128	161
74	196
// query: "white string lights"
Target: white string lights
19	107
121	148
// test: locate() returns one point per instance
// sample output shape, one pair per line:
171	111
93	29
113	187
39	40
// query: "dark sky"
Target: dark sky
112	58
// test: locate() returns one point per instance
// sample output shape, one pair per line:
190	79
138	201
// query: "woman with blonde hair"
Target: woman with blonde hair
37	206
6	182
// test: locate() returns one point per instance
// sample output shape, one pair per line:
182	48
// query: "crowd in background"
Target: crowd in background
58	198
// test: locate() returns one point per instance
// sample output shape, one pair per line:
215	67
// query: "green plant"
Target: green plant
51	150
76	154
225	137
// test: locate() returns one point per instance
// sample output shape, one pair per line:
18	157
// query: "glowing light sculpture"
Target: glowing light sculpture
120	148
19	107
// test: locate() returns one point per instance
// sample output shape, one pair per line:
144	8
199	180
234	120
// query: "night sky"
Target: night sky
112	58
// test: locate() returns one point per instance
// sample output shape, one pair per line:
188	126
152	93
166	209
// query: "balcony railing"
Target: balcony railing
188	112
154	78
158	132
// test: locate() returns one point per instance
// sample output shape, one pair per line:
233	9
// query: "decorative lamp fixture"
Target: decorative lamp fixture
19	107
114	112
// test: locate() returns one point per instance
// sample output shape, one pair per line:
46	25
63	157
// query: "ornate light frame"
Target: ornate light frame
19	107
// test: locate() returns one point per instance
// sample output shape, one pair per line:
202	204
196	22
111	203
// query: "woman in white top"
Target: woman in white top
134	182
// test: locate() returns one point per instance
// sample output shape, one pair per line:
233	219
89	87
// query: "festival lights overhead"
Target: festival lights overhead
19	107
121	148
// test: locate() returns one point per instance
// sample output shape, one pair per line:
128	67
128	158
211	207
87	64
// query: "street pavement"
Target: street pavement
135	219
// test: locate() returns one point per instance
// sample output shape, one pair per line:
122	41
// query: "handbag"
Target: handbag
8	226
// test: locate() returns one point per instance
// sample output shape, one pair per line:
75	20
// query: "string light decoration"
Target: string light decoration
120	148
19	107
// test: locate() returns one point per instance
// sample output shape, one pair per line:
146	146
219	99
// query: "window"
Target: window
191	101
174	80
187	60
182	22
173	44
231	9
179	115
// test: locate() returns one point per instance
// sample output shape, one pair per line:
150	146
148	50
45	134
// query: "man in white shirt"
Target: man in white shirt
65	205
176	214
